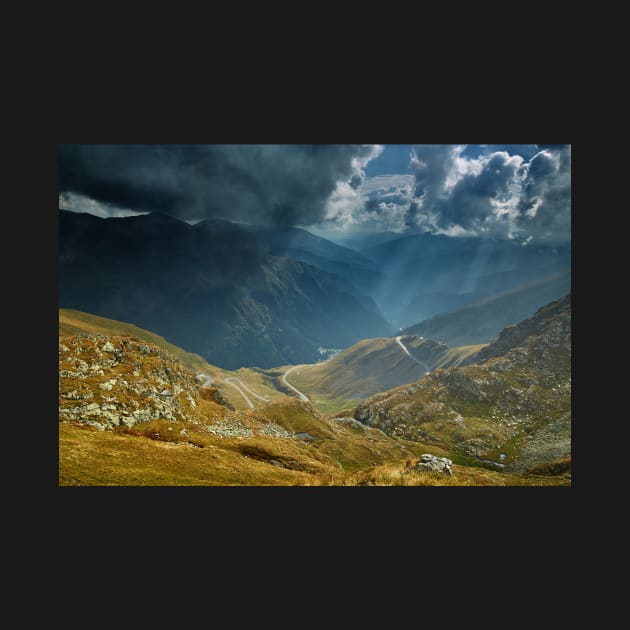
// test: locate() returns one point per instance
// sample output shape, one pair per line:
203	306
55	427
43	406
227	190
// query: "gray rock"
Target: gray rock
108	347
433	463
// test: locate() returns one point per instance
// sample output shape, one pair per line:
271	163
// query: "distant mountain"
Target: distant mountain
482	321
300	245
512	407
375	365
427	274
360	242
210	290
427	304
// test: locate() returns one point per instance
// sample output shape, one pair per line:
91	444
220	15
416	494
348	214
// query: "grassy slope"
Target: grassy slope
517	404
366	368
72	322
154	453
90	457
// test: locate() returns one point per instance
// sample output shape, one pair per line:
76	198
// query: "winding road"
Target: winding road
240	391
422	365
206	381
301	396
232	381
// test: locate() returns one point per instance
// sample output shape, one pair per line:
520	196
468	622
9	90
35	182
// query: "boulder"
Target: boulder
433	463
108	347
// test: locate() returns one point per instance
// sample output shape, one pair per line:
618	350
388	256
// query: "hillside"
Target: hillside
513	408
223	296
131	414
73	322
482	321
297	244
76	323
375	365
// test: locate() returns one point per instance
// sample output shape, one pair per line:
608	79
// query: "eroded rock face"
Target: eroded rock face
433	463
122	382
109	382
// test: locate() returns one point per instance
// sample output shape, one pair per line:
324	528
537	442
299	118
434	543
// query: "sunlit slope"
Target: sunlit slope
375	365
512	406
73	322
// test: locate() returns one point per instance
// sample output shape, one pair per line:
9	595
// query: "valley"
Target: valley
314	315
130	405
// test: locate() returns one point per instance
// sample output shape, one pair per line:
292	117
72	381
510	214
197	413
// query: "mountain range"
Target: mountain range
483	320
427	274
211	288
247	295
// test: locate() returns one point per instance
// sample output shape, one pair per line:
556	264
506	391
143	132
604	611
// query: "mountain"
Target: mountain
297	244
73	322
427	274
512	408
211	290
359	242
483	320
375	365
131	414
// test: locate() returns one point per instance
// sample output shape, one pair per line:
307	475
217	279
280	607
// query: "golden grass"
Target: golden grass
401	475
456	356
90	457
72	322
136	457
298	417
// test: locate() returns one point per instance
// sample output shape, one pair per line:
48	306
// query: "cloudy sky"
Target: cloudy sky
498	191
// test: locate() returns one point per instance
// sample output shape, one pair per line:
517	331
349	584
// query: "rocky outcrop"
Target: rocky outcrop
552	322
516	403
435	464
109	382
119	381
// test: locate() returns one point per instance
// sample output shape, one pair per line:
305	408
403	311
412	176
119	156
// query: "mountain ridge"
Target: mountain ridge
512	407
481	321
225	299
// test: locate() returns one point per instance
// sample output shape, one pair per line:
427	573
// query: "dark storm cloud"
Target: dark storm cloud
501	193
284	184
545	202
468	203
